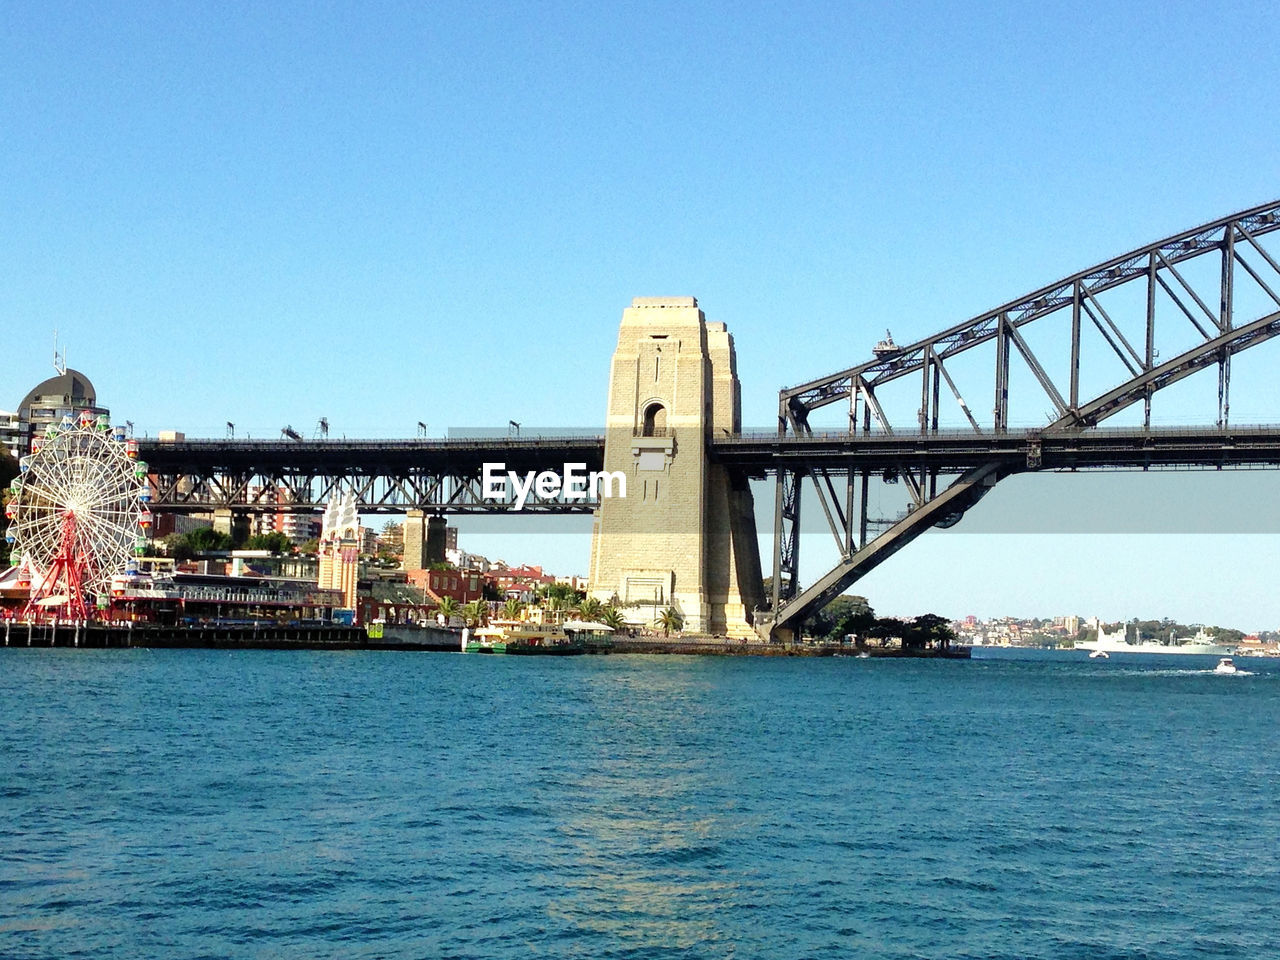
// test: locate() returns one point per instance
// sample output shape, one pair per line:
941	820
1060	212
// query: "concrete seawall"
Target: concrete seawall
429	638
248	637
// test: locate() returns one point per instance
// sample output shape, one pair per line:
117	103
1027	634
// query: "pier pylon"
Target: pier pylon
684	534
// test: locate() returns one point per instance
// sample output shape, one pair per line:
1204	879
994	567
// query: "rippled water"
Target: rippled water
269	804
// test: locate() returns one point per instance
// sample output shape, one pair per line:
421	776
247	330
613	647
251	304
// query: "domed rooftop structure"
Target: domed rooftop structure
67	391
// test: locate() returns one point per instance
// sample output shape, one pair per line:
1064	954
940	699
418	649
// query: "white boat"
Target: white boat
1099	655
1117	642
1225	666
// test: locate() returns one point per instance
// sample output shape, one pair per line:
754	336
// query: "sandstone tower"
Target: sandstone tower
684	536
340	548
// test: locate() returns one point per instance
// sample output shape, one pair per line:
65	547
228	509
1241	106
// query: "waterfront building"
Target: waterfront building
192	598
525	576
462	585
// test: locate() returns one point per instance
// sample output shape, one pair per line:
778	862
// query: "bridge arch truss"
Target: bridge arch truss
1096	345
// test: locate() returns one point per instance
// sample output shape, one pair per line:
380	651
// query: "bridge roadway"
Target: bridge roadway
360	457
394	475
388	476
955	451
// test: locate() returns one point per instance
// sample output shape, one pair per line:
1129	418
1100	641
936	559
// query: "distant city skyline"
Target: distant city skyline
394	215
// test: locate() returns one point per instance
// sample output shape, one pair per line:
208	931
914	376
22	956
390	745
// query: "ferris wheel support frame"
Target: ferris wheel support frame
68	570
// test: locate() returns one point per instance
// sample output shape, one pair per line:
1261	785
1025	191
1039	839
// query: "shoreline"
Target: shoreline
427	639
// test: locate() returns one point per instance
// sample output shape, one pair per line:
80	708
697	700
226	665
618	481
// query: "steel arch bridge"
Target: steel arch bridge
1096	345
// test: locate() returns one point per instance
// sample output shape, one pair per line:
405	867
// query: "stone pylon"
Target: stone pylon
684	535
340	537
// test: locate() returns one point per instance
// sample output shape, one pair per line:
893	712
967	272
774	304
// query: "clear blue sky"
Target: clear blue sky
383	213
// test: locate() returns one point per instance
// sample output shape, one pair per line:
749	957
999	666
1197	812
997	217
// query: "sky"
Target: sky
384	213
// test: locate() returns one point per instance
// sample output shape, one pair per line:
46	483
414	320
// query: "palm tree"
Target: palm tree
589	608
513	608
474	613
612	617
669	620
448	609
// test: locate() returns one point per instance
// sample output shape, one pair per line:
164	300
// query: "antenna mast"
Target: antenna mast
59	359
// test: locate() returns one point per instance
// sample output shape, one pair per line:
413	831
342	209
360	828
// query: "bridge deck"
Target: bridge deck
443	475
365	457
1096	448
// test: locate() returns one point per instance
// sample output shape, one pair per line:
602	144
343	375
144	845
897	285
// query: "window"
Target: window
655	420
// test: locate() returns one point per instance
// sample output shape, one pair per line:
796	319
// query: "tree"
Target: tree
560	591
309	546
1226	635
887	628
589	608
391	540
926	630
448	609
669	620
475	613
178	547
845	615
184	546
275	541
612	617
512	608
207	539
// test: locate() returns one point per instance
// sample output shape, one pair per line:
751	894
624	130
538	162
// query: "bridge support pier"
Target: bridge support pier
424	539
683	535
233	523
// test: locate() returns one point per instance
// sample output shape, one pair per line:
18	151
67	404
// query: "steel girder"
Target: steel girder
1155	264
1161	270
391	476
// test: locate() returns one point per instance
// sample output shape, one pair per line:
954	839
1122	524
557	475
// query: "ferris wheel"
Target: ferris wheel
78	514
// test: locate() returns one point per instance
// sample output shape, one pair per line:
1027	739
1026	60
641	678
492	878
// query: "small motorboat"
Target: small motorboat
1225	666
1099	655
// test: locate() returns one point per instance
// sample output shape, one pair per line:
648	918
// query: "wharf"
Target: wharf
420	638
720	646
214	637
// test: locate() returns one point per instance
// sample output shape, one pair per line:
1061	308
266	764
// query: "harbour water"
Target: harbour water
183	803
